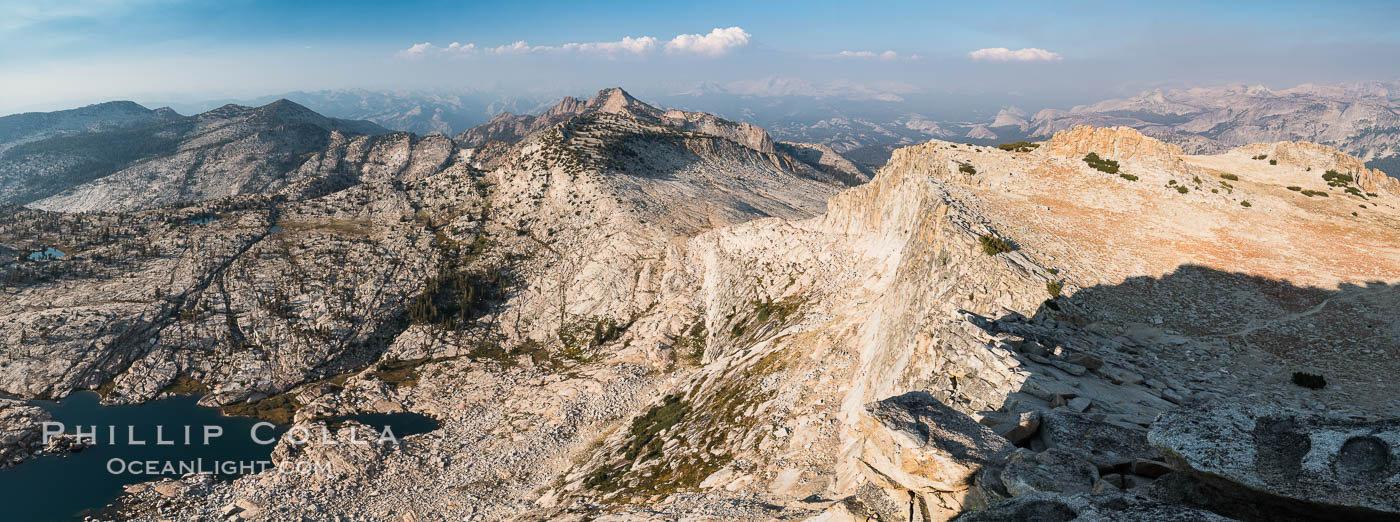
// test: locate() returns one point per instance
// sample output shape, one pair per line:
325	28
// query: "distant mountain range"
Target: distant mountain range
1362	119
121	156
861	123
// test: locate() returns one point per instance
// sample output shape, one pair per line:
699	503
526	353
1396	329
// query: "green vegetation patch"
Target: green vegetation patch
1337	179
277	409
766	312
1019	146
1182	189
1230	177
1128	177
1261	157
993	245
186	385
967	169
1311	193
643	436
1104	165
690	347
397	372
1054	288
581	339
1245	204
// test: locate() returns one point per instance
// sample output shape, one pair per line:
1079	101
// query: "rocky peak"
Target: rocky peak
616	101
751	136
1119	143
288	110
567	106
1010	116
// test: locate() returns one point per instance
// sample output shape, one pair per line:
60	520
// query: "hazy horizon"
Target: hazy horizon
192	51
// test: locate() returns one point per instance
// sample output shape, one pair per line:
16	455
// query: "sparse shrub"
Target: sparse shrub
1261	157
1230	177
647	427
1128	177
1245	204
1311	193
1273	162
1295	188
967	169
993	245
1182	189
1171	182
1054	288
1309	380
1104	165
1020	146
1337	179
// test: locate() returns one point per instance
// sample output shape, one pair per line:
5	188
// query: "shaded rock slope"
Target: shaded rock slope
156	158
623	315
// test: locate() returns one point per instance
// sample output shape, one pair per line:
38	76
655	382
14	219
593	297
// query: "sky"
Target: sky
64	53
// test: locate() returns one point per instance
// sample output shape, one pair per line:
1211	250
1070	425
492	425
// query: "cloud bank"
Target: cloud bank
1002	54
718	42
872	55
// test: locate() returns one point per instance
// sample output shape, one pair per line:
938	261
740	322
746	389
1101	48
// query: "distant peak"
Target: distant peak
285	106
616	101
614	92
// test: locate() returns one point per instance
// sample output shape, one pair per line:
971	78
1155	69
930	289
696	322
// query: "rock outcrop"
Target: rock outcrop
914	443
1313	157
1117	507
21	431
1118	143
1303	466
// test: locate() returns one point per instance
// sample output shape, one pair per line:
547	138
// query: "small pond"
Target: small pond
46	254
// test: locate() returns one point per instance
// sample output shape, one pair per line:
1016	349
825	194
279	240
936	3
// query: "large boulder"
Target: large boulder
1052	507
1105	445
1266	460
1054	470
915	442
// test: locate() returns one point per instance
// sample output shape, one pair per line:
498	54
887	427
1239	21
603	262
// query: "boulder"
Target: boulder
1314	467
915	442
1105	445
1020	429
1109	506
1054	470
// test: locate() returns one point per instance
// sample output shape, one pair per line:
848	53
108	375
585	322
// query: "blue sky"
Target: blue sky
54	52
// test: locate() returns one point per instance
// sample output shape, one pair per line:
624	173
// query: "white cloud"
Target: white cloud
872	55
1002	54
627	44
718	43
